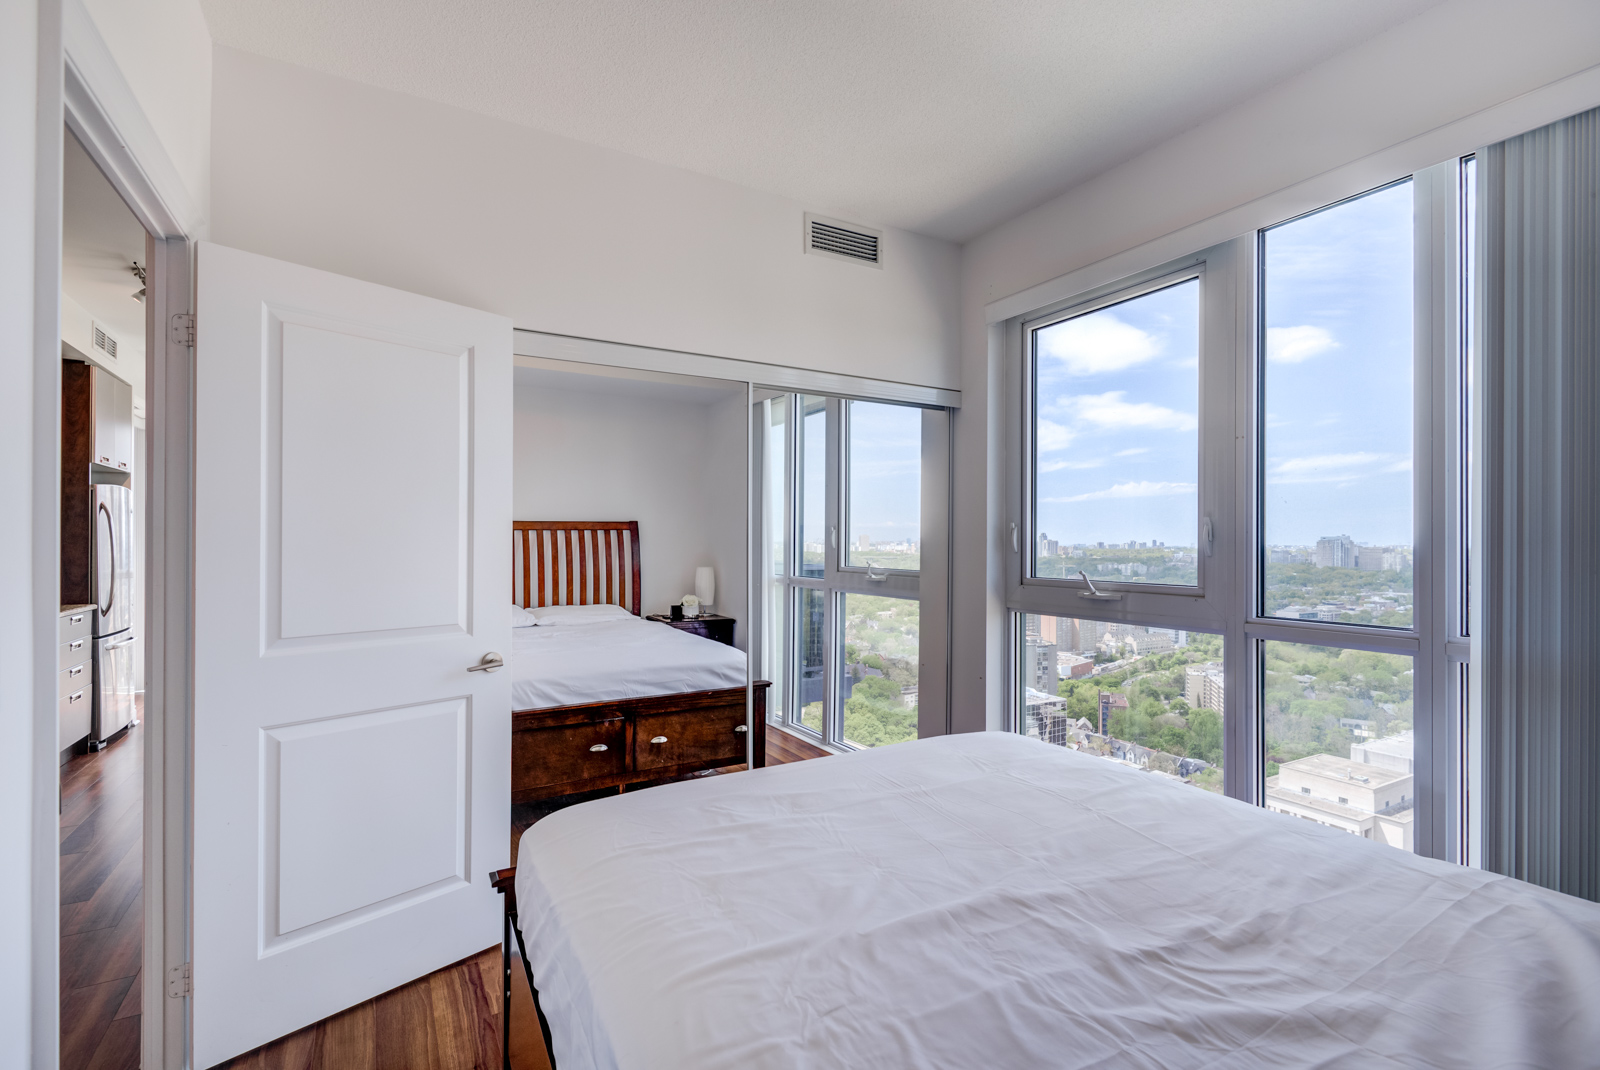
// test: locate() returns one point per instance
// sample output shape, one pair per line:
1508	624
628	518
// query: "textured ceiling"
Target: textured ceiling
941	116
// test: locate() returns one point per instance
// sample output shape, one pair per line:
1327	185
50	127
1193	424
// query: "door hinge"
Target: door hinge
179	983
183	329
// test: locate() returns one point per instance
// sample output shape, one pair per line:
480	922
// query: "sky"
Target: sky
1337	395
1117	422
1118	394
885	472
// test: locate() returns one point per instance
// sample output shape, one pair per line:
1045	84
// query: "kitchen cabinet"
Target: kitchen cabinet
113	420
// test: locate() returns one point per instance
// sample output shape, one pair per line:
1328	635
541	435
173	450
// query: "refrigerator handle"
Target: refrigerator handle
122	642
111	542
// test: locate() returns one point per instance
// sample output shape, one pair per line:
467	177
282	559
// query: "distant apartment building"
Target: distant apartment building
1046	628
1390	752
1110	701
1297	612
1369	794
1072	666
1358	728
1087	636
1336	551
863	543
1048	547
1202	686
1151	641
1039	667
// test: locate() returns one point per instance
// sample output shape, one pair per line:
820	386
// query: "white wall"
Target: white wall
161	54
1458	76
164	51
18	100
560	236
670	457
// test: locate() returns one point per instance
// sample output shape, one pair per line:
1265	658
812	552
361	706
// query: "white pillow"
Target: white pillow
521	618
550	616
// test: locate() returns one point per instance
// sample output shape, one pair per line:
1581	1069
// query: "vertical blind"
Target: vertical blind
1537	664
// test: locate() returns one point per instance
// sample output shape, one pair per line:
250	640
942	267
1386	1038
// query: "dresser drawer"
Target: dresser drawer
73	678
74	652
567	753
690	738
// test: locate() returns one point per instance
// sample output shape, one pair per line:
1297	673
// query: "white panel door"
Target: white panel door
351	776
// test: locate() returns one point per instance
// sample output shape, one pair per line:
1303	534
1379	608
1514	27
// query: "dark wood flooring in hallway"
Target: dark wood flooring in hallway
102	909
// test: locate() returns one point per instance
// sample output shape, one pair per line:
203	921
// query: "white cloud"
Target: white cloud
1109	410
1056	466
1337	467
1050	435
1097	343
1292	345
1131	453
1143	489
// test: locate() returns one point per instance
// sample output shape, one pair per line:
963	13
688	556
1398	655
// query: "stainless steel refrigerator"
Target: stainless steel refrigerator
114	636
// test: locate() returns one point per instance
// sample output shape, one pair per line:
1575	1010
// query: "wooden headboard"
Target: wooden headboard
575	563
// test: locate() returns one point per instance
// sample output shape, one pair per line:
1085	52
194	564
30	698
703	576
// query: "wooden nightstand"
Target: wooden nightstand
713	626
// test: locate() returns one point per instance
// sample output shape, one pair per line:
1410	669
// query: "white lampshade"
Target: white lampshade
705	584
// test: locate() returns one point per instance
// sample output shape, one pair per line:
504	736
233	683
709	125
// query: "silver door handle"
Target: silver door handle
111	543
598	747
122	642
659	739
490	663
75	670
742	728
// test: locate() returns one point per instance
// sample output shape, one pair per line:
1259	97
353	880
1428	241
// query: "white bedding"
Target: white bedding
615	659
988	901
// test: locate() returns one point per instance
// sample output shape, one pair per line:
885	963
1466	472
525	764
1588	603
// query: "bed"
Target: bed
614	699
988	900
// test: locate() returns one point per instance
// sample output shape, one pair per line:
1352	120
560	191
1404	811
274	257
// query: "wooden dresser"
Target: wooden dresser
608	744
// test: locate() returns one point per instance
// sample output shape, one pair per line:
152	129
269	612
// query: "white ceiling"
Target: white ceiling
100	240
940	116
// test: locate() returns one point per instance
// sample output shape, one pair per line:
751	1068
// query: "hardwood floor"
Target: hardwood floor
450	1020
784	746
102	915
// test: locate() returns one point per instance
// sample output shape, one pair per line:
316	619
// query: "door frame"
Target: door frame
96	103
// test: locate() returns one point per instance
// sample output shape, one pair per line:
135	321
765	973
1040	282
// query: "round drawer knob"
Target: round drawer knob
598	747
659	739
742	728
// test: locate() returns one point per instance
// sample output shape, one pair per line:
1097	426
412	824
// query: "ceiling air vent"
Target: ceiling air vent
844	241
104	342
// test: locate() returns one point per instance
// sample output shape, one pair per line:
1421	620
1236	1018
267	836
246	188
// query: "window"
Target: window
1284	420
848	609
1336	413
883	463
1150	698
1115	439
1338	728
878	672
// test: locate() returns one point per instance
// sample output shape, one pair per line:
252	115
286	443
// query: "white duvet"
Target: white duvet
987	901
615	659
